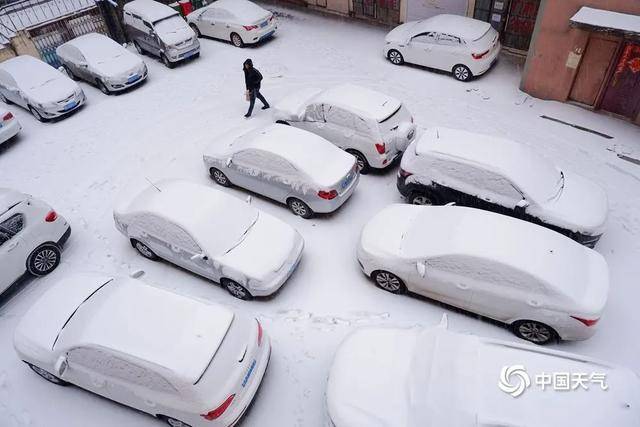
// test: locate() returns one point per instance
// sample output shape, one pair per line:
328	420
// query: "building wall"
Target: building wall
556	48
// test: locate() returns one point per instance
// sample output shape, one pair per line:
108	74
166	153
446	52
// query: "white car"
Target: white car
102	62
304	171
39	88
464	46
188	362
9	125
447	165
210	233
239	21
32	235
374	127
540	283
431	377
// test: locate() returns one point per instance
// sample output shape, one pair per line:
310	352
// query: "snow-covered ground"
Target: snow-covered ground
80	164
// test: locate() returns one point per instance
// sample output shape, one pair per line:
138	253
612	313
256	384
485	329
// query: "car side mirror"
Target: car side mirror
451	204
249	200
61	365
422	268
201	257
62	70
229	162
83	64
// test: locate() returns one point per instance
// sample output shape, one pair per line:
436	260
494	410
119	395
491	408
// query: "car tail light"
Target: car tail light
216	413
403	173
479	55
250	27
381	148
51	216
328	195
271	18
586	322
7	116
259	333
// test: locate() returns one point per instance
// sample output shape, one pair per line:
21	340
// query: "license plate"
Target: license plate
347	181
190	53
133	78
70	106
246	377
269	34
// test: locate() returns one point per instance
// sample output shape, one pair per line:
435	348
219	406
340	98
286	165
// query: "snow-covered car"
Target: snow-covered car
239	21
409	377
212	234
374	127
466	47
159	30
9	125
302	170
447	165
39	88
188	362
541	284
32	235
101	61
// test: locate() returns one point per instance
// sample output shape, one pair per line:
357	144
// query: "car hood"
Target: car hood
292	107
368	381
121	66
400	34
384	234
178	35
266	246
581	207
53	91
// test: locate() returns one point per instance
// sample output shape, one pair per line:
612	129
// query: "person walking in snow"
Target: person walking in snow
253	80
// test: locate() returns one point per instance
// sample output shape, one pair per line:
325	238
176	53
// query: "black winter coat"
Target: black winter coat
252	78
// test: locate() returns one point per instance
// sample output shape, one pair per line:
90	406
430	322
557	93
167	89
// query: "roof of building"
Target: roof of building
607	19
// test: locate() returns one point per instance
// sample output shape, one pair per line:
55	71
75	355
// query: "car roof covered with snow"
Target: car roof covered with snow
309	153
533	174
215	220
471	236
359	100
452	380
174	332
9	198
243	10
455	25
150	10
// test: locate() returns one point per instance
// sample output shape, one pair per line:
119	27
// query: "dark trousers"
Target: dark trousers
253	94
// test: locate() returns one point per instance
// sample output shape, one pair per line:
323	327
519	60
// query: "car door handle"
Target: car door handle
462	286
534	303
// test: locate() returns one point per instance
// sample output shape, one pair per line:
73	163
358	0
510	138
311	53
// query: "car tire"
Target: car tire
424	198
283	122
361	160
103	88
43	260
173	422
395	57
219	177
534	331
462	73
138	48
299	208
236	289
144	250
70	73
47	375
196	30
166	61
236	40
36	114
389	282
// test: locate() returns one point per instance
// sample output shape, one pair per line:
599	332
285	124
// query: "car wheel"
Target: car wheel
44	260
144	250
533	331
37	114
389	282
138	48
103	88
361	160
462	73
46	375
236	289
219	177
173	422
196	30
166	61
69	73
300	208
423	198
236	40
395	57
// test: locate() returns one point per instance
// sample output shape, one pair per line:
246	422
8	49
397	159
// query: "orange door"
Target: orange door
593	70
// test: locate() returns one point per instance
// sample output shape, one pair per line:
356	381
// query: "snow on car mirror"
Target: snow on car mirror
522	204
229	161
249	199
422	268
62	70
444	321
198	257
61	365
451	204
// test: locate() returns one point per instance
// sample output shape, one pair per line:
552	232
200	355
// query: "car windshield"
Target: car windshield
170	25
540	179
104	52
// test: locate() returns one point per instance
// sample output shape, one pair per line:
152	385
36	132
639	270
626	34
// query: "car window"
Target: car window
364	126
339	117
314	113
6	80
74	54
499	185
425	38
13	225
111	366
251	161
224	14
210	14
448	40
167	233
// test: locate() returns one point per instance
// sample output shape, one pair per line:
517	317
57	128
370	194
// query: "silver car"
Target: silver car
101	61
39	88
289	165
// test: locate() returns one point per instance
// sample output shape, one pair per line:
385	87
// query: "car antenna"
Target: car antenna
154	186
